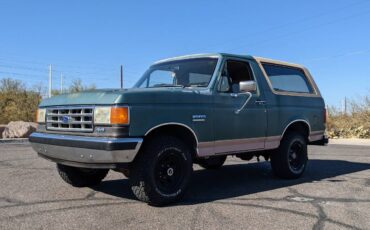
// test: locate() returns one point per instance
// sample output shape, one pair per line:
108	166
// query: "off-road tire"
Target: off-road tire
282	163
81	177
148	177
212	162
126	172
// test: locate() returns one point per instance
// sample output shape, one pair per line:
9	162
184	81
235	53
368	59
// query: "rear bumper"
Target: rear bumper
82	151
323	141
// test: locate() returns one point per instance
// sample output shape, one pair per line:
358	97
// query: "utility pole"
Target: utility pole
61	82
344	106
50	79
121	77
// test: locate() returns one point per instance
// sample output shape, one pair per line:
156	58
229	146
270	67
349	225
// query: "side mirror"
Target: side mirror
247	86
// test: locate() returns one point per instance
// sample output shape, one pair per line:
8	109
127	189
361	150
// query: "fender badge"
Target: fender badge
100	129
199	117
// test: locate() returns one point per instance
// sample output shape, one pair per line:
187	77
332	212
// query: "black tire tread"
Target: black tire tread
279	163
77	178
139	170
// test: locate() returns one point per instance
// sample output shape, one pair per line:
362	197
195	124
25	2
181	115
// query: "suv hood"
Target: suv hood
129	96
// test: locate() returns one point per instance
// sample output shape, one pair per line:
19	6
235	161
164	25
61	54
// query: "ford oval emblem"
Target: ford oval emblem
66	119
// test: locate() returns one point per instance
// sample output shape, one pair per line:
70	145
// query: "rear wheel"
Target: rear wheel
81	177
290	159
212	162
161	173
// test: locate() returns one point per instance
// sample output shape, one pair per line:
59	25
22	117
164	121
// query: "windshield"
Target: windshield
196	72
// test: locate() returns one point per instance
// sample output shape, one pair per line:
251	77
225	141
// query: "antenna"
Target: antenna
121	77
61	82
50	79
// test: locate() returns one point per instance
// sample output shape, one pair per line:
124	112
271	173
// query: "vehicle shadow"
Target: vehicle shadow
242	179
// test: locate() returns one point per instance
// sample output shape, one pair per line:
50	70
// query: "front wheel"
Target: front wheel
81	177
290	159
161	172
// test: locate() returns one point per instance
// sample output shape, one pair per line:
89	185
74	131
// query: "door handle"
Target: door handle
260	102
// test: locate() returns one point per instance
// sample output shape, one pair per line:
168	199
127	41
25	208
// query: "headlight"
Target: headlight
40	115
111	115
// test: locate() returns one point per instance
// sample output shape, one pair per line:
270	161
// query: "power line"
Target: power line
300	31
298	21
20	74
39	63
24	67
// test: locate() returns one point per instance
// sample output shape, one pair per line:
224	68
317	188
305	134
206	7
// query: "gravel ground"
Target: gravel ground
334	193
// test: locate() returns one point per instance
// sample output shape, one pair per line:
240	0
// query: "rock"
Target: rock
19	129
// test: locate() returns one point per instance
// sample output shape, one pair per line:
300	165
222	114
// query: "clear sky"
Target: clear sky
91	39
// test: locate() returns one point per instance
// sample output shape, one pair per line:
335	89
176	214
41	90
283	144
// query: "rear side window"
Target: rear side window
288	79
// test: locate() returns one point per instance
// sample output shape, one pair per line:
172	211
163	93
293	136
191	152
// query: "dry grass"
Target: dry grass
354	124
19	103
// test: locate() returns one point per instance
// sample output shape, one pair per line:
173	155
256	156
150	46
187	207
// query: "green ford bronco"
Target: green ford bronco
184	110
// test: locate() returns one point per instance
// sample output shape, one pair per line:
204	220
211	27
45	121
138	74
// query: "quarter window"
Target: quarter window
289	79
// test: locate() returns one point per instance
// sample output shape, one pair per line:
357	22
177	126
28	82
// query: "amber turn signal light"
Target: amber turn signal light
119	116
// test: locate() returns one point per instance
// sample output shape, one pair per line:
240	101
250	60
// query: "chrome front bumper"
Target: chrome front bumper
83	151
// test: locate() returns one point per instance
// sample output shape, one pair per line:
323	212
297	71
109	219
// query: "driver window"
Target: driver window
234	72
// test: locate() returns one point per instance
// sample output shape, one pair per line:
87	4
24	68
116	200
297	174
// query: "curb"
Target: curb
350	141
14	141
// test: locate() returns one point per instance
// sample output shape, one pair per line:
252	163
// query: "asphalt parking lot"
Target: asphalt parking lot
334	193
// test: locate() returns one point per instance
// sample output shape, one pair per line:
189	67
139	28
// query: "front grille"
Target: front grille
70	119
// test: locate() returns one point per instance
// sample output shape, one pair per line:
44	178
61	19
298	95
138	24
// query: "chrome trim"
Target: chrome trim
292	122
174	123
272	142
245	103
83	165
60	125
316	135
85	138
231	146
85	155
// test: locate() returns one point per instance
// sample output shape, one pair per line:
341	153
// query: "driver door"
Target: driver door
243	131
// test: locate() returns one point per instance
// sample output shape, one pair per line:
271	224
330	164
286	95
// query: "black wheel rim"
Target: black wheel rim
296	156
169	172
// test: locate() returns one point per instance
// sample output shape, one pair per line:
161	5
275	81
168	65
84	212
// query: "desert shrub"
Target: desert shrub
354	124
17	102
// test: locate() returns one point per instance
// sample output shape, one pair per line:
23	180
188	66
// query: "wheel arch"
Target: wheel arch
179	130
298	125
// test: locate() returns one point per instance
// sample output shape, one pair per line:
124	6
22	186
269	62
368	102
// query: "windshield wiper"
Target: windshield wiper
165	85
196	85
